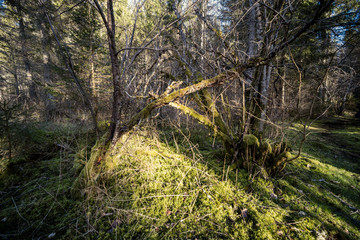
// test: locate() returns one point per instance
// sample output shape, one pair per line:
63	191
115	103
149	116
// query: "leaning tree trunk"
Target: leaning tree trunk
109	22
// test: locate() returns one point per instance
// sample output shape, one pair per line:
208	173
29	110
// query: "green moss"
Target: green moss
266	146
165	194
251	140
284	156
152	190
42	196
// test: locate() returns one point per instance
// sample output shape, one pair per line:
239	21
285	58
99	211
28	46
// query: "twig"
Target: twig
17	210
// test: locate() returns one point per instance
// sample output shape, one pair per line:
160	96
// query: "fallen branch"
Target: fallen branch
203	120
172	97
221	78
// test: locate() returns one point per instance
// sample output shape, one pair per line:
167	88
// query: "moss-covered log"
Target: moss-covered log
89	171
166	99
210	108
228	144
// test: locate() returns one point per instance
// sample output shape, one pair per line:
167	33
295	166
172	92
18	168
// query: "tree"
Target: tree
234	72
271	46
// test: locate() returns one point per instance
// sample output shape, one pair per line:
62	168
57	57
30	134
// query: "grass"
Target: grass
35	186
174	184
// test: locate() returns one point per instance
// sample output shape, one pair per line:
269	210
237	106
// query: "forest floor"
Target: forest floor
174	184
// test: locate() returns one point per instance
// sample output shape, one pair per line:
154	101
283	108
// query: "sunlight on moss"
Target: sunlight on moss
173	186
157	192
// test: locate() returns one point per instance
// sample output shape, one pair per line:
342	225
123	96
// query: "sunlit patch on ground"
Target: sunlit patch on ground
173	184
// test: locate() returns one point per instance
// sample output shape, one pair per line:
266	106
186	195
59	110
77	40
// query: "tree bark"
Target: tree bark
15	74
25	54
47	96
264	94
109	23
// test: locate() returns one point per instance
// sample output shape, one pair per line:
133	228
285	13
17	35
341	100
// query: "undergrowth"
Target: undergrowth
175	184
35	184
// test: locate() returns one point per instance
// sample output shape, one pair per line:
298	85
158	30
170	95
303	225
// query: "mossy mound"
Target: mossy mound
178	186
263	156
149	191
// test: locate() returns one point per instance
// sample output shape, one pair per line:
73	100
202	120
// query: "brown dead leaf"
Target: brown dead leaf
98	161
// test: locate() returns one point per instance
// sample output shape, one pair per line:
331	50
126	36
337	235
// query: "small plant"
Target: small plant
262	156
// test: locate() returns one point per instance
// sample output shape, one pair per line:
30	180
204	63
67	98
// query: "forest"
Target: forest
180	119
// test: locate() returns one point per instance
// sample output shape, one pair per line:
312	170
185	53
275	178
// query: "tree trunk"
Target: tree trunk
15	74
109	23
47	97
264	94
341	108
24	53
251	30
115	67
69	64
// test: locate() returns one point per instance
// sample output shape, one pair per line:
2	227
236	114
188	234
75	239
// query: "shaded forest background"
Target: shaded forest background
90	60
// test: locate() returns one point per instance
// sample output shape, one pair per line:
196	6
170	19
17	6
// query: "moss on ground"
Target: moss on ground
176	185
35	199
153	192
